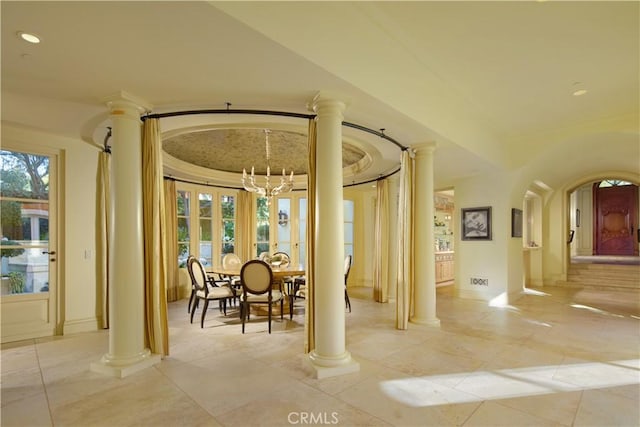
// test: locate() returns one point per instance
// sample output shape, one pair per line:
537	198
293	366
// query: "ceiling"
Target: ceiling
490	82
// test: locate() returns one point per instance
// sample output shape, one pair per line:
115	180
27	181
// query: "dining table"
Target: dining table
279	271
280	274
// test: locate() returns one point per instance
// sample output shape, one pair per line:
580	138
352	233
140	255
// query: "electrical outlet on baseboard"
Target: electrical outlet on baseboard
478	281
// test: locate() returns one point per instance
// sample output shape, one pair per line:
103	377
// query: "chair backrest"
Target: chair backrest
256	277
231	261
197	273
284	258
347	268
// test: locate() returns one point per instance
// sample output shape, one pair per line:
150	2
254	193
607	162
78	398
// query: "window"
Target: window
24	214
213	211
348	227
613	183
206	228
228	207
262	226
184	231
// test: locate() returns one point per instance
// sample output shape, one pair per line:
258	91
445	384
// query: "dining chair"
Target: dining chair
347	269
207	289
257	279
300	284
232	261
193	286
284	261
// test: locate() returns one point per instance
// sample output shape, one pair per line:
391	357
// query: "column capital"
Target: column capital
424	147
124	103
328	102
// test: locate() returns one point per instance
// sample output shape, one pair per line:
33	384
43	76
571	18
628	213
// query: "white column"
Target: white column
329	358
424	241
127	353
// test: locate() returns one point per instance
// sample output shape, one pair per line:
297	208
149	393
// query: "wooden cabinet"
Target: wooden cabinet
444	267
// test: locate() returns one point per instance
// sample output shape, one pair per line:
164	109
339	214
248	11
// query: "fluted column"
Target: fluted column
127	353
329	358
424	241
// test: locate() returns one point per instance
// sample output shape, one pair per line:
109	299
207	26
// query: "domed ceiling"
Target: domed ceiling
231	150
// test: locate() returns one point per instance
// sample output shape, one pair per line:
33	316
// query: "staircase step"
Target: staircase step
603	276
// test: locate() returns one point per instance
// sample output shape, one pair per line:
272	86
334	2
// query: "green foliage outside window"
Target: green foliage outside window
16	282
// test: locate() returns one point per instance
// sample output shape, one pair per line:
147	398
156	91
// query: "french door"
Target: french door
281	226
28	296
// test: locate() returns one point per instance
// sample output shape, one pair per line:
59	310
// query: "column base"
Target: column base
428	322
325	367
123	368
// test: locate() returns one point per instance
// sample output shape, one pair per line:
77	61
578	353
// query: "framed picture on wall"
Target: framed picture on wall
476	223
516	222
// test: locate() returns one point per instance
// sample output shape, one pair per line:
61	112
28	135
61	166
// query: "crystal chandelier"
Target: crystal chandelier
249	181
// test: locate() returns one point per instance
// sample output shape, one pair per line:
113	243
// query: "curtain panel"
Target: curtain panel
405	285
155	240
103	230
171	218
381	248
244	225
309	312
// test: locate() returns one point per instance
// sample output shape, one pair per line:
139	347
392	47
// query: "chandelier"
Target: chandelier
249	181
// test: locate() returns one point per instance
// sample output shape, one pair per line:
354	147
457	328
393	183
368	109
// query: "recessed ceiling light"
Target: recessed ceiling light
29	37
579	92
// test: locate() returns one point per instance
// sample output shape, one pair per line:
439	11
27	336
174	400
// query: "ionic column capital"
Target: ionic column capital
327	103
424	148
125	104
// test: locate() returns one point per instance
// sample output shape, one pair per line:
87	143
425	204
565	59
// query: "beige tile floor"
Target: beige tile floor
554	357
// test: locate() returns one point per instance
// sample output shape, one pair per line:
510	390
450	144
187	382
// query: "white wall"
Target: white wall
499	260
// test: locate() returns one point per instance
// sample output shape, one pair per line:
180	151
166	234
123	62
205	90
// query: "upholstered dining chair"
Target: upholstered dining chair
257	279
300	284
233	261
206	289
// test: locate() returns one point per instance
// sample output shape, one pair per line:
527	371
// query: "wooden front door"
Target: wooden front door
616	225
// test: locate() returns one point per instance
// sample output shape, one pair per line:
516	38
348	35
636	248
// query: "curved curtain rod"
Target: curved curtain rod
206	184
380	134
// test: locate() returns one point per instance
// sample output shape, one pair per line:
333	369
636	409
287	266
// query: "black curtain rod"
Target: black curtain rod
269	113
206	184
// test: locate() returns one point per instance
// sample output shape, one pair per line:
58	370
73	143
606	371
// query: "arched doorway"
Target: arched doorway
604	217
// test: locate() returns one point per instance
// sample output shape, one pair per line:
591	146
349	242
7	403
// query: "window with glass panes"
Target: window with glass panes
184	231
213	210
228	233
262	226
205	213
348	227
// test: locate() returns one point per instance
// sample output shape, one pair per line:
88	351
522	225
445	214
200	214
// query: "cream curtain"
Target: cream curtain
155	241
381	249
103	230
244	216
405	286
309	314
171	217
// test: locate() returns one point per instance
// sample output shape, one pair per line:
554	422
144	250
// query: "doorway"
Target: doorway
616	218
28	232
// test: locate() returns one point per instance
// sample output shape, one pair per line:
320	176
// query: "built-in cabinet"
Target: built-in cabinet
444	267
443	237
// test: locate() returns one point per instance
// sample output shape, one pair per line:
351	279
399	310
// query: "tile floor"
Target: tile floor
555	357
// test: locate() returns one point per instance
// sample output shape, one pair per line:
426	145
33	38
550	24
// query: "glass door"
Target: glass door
290	225
28	245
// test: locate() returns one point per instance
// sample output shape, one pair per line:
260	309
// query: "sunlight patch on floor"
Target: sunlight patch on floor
509	383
